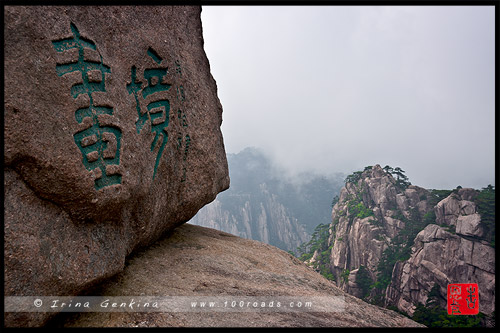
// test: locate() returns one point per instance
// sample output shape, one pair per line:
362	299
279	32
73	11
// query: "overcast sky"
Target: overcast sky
334	89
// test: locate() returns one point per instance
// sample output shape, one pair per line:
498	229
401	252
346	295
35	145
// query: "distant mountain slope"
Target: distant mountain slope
263	204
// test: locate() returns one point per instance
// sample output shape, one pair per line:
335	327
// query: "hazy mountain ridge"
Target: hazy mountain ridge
264	203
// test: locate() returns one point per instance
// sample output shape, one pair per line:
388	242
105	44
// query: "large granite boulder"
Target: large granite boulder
449	209
112	137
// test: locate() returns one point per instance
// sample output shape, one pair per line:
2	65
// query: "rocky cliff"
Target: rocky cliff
197	262
370	213
454	250
391	242
112	137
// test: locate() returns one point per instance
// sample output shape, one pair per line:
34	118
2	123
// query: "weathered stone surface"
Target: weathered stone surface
440	257
352	286
470	225
447	210
461	203
196	261
360	244
362	241
112	137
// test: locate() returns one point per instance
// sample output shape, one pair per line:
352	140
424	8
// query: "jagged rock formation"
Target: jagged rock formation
112	137
405	240
441	256
367	217
264	205
194	261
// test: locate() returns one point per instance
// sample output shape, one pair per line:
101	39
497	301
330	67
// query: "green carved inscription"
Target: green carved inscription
99	144
158	110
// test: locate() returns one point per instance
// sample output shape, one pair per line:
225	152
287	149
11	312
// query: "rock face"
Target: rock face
409	240
448	210
112	137
369	214
194	261
440	257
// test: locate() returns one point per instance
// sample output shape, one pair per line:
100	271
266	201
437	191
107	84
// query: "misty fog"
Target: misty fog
334	89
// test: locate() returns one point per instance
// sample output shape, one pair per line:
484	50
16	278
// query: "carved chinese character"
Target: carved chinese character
98	143
158	110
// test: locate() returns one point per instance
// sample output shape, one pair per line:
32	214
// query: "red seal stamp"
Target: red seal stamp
463	299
